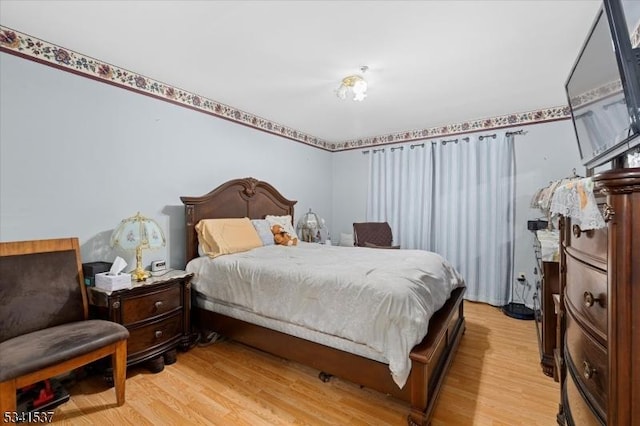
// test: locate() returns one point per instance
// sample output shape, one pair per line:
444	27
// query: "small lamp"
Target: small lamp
310	228
137	233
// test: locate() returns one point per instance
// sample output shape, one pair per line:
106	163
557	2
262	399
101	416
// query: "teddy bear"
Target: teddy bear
281	237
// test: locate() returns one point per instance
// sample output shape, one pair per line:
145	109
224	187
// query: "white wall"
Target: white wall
546	152
77	156
350	171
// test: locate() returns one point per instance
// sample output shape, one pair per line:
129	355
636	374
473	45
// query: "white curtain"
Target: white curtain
474	209
400	187
456	199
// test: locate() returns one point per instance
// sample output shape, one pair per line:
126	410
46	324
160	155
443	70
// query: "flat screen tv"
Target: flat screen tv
603	87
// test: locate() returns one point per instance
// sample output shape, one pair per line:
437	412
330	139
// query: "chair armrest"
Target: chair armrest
371	245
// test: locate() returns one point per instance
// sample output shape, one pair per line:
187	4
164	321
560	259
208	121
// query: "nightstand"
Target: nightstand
157	314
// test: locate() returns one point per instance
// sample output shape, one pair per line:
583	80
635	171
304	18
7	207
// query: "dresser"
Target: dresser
599	317
548	319
546	251
157	314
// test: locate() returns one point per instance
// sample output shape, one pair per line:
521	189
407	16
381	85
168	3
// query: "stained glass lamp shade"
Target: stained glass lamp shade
137	233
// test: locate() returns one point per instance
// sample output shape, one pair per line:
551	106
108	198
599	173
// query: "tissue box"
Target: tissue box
108	282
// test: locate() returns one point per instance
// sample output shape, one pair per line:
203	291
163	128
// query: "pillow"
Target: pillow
285	222
227	236
346	240
371	245
263	228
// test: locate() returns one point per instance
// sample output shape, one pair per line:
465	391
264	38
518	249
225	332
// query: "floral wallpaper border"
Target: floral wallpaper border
30	47
509	120
596	94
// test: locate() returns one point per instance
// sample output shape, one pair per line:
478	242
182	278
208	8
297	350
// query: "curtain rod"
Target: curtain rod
482	137
375	150
446	141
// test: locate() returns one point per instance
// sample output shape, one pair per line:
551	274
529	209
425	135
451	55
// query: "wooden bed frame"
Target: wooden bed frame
430	359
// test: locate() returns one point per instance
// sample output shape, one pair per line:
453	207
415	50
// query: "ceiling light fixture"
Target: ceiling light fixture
354	85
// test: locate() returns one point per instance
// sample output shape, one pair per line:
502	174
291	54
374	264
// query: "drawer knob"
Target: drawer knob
158	334
589	371
608	213
158	304
576	231
589	300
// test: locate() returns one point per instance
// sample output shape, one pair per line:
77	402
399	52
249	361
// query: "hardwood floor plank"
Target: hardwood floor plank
495	379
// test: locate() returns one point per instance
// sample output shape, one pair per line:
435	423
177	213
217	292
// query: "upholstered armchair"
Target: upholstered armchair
373	234
45	330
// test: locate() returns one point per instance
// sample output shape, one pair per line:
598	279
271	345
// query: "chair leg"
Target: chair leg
7	396
119	364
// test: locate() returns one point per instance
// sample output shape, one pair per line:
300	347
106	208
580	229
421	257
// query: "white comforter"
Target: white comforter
381	298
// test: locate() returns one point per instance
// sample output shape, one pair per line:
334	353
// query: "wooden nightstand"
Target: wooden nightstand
157	314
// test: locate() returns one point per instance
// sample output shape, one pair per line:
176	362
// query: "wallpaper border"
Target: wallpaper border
32	48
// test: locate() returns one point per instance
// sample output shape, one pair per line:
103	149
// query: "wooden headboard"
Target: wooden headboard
246	197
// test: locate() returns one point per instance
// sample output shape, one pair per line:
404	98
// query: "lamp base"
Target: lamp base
140	274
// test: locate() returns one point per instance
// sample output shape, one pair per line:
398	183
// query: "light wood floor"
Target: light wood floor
495	379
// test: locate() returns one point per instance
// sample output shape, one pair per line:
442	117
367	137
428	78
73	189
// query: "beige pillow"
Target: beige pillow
227	236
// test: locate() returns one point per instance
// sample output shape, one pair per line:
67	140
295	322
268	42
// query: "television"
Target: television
603	88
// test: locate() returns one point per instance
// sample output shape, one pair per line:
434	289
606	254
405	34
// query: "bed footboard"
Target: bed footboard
430	359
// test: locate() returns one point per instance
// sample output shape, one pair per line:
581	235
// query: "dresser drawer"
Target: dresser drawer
590	246
576	408
588	359
154	334
150	304
586	296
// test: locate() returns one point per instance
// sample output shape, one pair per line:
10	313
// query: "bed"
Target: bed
429	359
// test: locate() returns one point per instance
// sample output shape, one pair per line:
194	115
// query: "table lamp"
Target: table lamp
137	233
311	227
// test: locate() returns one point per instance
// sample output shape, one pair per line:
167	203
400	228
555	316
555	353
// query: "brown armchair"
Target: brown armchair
43	311
373	234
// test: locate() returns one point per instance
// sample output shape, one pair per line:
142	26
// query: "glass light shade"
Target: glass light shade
359	90
137	233
355	86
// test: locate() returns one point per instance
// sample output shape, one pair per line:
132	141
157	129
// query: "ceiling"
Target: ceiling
431	63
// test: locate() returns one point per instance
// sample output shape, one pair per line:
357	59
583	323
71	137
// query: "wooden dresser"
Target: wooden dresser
546	250
157	314
600	316
548	320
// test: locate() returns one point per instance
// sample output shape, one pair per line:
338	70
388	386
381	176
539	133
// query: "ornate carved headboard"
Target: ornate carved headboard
246	197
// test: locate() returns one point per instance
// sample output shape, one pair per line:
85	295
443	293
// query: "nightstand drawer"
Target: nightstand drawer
586	295
151	304
153	335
